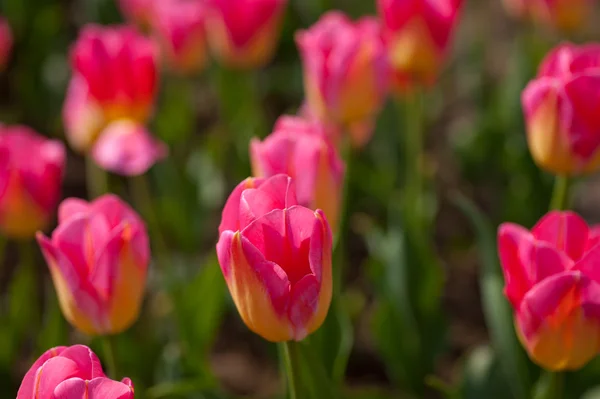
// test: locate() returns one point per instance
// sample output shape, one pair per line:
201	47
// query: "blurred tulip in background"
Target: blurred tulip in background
553	285
566	15
98	257
71	372
139	12
561	110
31	175
276	258
6	42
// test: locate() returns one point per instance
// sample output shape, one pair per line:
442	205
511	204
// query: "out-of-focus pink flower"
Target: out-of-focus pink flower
98	257
179	26
561	110
115	77
300	149
276	258
31	174
553	284
72	372
243	33
139	12
125	147
566	15
6	42
417	35
345	69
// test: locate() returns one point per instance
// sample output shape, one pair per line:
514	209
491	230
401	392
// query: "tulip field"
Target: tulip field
300	199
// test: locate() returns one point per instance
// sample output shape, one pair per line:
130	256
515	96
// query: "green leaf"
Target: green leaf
483	377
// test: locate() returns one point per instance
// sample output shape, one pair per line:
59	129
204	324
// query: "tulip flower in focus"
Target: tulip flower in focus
98	257
243	33
566	15
417	35
140	12
179	26
300	149
115	77
560	107
553	284
276	258
31	175
345	69
6	42
72	372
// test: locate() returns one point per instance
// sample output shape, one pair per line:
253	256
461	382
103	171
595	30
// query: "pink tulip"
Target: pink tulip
566	15
98	257
180	29
417	35
560	106
345	69
243	33
276	259
553	284
31	174
6	42
300	149
72	372
115	77
140	12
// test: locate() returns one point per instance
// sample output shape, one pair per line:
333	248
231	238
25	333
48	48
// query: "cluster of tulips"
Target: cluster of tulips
279	227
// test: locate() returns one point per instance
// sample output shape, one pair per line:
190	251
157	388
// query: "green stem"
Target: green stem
550	386
560	195
96	179
110	357
290	353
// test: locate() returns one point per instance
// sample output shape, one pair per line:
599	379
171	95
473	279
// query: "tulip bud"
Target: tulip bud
276	259
180	29
560	107
345	69
115	77
243	33
31	174
565	15
417	35
6	42
139	12
72	372
553	285
98	257
300	149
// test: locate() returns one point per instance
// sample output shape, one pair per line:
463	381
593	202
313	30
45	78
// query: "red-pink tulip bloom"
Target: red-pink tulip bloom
300	149
566	15
276	258
139	12
115	77
345	69
244	33
6	42
561	110
72	372
553	283
31	174
417	35
180	28
98	258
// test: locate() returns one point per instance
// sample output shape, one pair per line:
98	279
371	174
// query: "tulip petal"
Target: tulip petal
230	216
516	275
115	210
583	94
304	302
100	388
566	231
28	385
85	359
589	264
278	192
73	388
52	373
70	207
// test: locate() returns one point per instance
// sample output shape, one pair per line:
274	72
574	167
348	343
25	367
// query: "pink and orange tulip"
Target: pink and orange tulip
417	34
139	12
31	174
6	42
345	69
553	285
98	258
300	149
565	15
72	372
276	258
243	33
560	107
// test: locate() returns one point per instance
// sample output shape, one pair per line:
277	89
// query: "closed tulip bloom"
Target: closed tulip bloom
31	175
6	42
566	15
115	77
243	34
98	258
179	26
345	69
553	284
560	107
276	258
72	372
300	149
417	35
139	12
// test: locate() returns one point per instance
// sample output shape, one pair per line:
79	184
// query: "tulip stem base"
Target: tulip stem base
550	386
96	179
560	195
289	351
110	358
